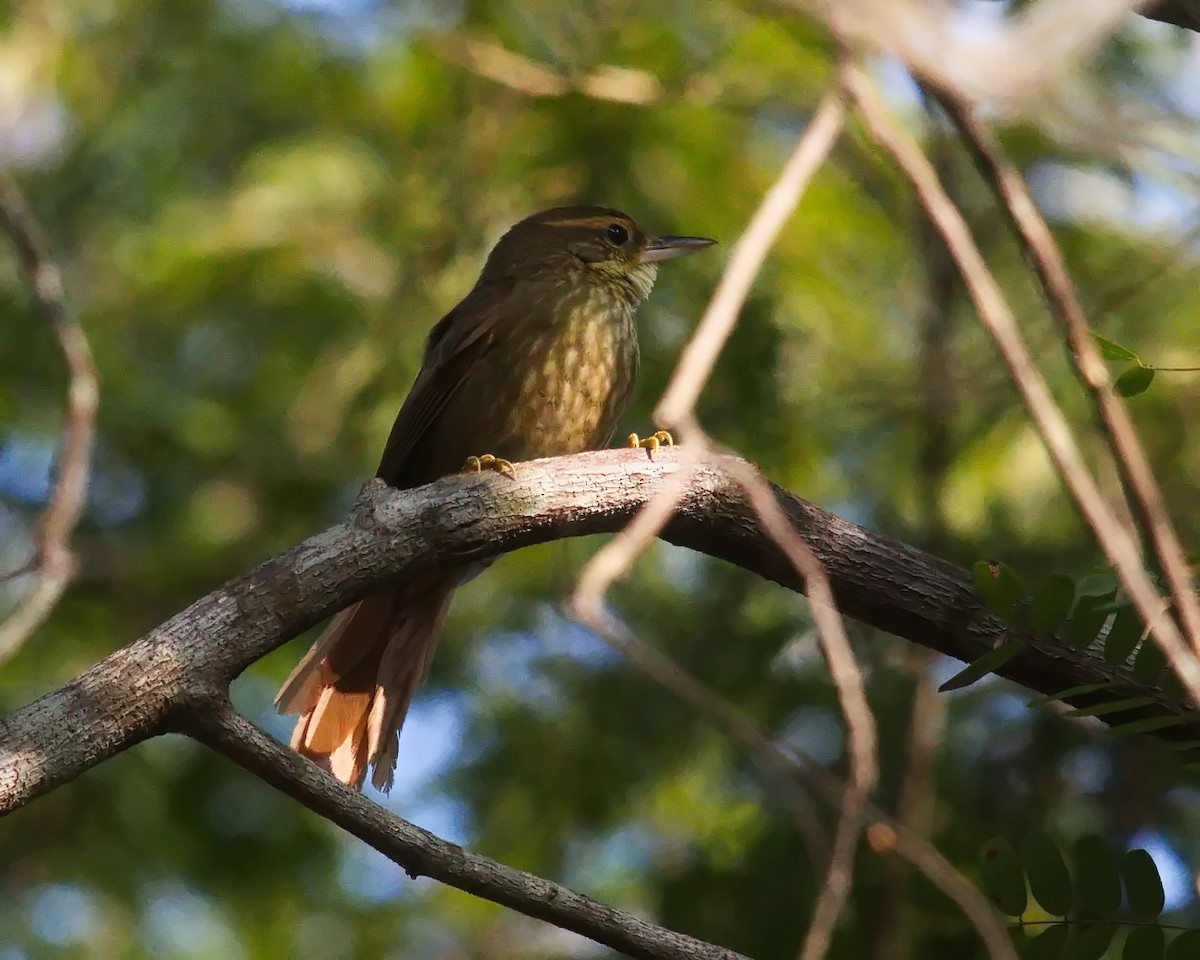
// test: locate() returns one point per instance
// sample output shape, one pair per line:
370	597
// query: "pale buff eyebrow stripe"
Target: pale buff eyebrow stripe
593	222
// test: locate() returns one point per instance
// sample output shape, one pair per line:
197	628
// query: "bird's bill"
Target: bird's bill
668	248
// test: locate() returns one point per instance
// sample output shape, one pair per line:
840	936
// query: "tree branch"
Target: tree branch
421	853
998	319
1133	466
53	563
145	688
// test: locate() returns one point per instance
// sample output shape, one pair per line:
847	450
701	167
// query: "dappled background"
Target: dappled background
261	207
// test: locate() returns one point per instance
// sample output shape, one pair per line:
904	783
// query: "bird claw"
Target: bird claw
490	462
651	443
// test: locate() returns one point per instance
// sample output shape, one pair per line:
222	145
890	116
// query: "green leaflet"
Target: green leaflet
1143	885
990	662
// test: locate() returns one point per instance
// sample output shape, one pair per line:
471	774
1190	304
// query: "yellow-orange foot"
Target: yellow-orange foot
489	462
651	443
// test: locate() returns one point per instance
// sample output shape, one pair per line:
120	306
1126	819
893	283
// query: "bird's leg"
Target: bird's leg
489	462
658	439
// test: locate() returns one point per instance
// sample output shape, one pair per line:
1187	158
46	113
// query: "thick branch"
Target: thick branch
144	688
420	853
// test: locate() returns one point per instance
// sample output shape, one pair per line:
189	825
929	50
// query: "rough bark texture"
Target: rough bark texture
176	677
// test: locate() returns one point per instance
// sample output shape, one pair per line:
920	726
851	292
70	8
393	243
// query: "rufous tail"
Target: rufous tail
354	687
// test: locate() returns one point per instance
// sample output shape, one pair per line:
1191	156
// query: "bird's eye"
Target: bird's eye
617	234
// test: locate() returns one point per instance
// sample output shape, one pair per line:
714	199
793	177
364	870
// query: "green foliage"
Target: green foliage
979	668
1098	885
1185	946
1004	877
1144	943
1087	901
261	208
1143	886
1051	603
1136	377
1049	880
999	586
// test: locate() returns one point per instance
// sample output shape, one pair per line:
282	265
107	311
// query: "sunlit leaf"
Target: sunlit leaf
1113	350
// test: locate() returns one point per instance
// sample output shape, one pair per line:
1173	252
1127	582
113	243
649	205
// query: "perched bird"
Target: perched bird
538	360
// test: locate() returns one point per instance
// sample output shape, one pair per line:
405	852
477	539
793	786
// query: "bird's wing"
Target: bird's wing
454	346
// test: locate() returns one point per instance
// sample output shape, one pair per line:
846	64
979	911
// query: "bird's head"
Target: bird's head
581	244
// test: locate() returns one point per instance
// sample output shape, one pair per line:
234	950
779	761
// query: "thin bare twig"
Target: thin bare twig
1013	63
886	835
53	563
420	853
1133	466
852	697
997	317
501	65
674	412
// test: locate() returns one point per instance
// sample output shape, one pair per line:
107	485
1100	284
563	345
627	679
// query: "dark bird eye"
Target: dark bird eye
617	234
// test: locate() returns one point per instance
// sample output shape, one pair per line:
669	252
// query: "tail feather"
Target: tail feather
354	687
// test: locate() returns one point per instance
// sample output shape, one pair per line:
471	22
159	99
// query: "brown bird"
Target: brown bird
538	360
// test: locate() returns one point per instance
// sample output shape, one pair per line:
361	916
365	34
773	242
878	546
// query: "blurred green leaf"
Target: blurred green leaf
989	663
1049	879
1113	350
998	585
1047	945
1097	882
1143	885
1123	636
1134	381
1083	688
1144	943
1185	946
1052	600
1150	662
1086	621
1090	942
1112	706
1147	725
1003	878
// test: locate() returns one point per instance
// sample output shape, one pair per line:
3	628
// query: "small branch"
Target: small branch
501	65
1013	64
421	853
852	697
145	687
997	317
1133	466
53	563
774	759
674	411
